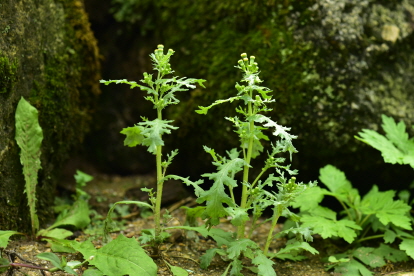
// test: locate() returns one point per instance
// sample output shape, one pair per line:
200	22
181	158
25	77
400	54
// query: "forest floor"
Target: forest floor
180	251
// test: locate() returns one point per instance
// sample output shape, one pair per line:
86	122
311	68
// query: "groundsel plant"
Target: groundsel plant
161	92
250	126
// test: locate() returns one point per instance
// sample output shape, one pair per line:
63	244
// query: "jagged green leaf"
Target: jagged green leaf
352	268
391	254
330	227
309	199
152	132
133	136
408	246
207	257
264	265
385	208
396	147
216	196
367	256
29	136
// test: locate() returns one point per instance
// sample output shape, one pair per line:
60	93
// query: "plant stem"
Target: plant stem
243	203
160	183
370	238
276	217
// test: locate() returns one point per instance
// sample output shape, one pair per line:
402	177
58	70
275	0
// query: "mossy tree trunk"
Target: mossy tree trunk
48	55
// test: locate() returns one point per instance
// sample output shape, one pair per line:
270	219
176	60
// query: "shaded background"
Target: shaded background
334	67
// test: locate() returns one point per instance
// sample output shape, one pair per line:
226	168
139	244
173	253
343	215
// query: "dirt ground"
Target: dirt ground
181	251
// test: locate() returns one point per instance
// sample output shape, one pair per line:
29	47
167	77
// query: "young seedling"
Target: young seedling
161	92
250	127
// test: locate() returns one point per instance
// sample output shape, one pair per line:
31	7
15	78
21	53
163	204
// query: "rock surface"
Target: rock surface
48	55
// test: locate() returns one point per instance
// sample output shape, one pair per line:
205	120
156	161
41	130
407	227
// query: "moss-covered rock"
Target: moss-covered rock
49	56
334	66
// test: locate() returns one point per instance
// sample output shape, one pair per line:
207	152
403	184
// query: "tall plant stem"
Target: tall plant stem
276	216
160	183
247	158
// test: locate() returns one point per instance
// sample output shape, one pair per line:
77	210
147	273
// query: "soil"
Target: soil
181	251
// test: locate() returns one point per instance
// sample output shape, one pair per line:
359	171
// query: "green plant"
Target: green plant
161	93
250	129
375	216
29	137
395	146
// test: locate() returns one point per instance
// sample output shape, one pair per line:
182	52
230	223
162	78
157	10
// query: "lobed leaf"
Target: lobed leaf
133	136
264	265
385	208
216	196
408	246
396	147
152	132
328	227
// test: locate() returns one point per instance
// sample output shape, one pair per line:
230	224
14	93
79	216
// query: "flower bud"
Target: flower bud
160	46
252	59
243	55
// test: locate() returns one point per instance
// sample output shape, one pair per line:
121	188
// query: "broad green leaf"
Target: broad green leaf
408	246
51	257
385	208
92	272
368	257
335	180
309	199
327	228
122	256
153	131
29	136
396	147
133	136
216	196
5	236
264	265
57	233
77	216
389	236
177	271
391	254
352	268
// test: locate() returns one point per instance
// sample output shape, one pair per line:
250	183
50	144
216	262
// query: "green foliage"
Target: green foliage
161	93
5	235
122	256
395	146
59	264
250	128
29	137
377	215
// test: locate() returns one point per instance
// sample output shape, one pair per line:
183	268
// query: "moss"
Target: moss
8	74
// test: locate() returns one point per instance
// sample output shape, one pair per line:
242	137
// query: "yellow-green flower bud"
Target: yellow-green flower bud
243	55
252	59
160	46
